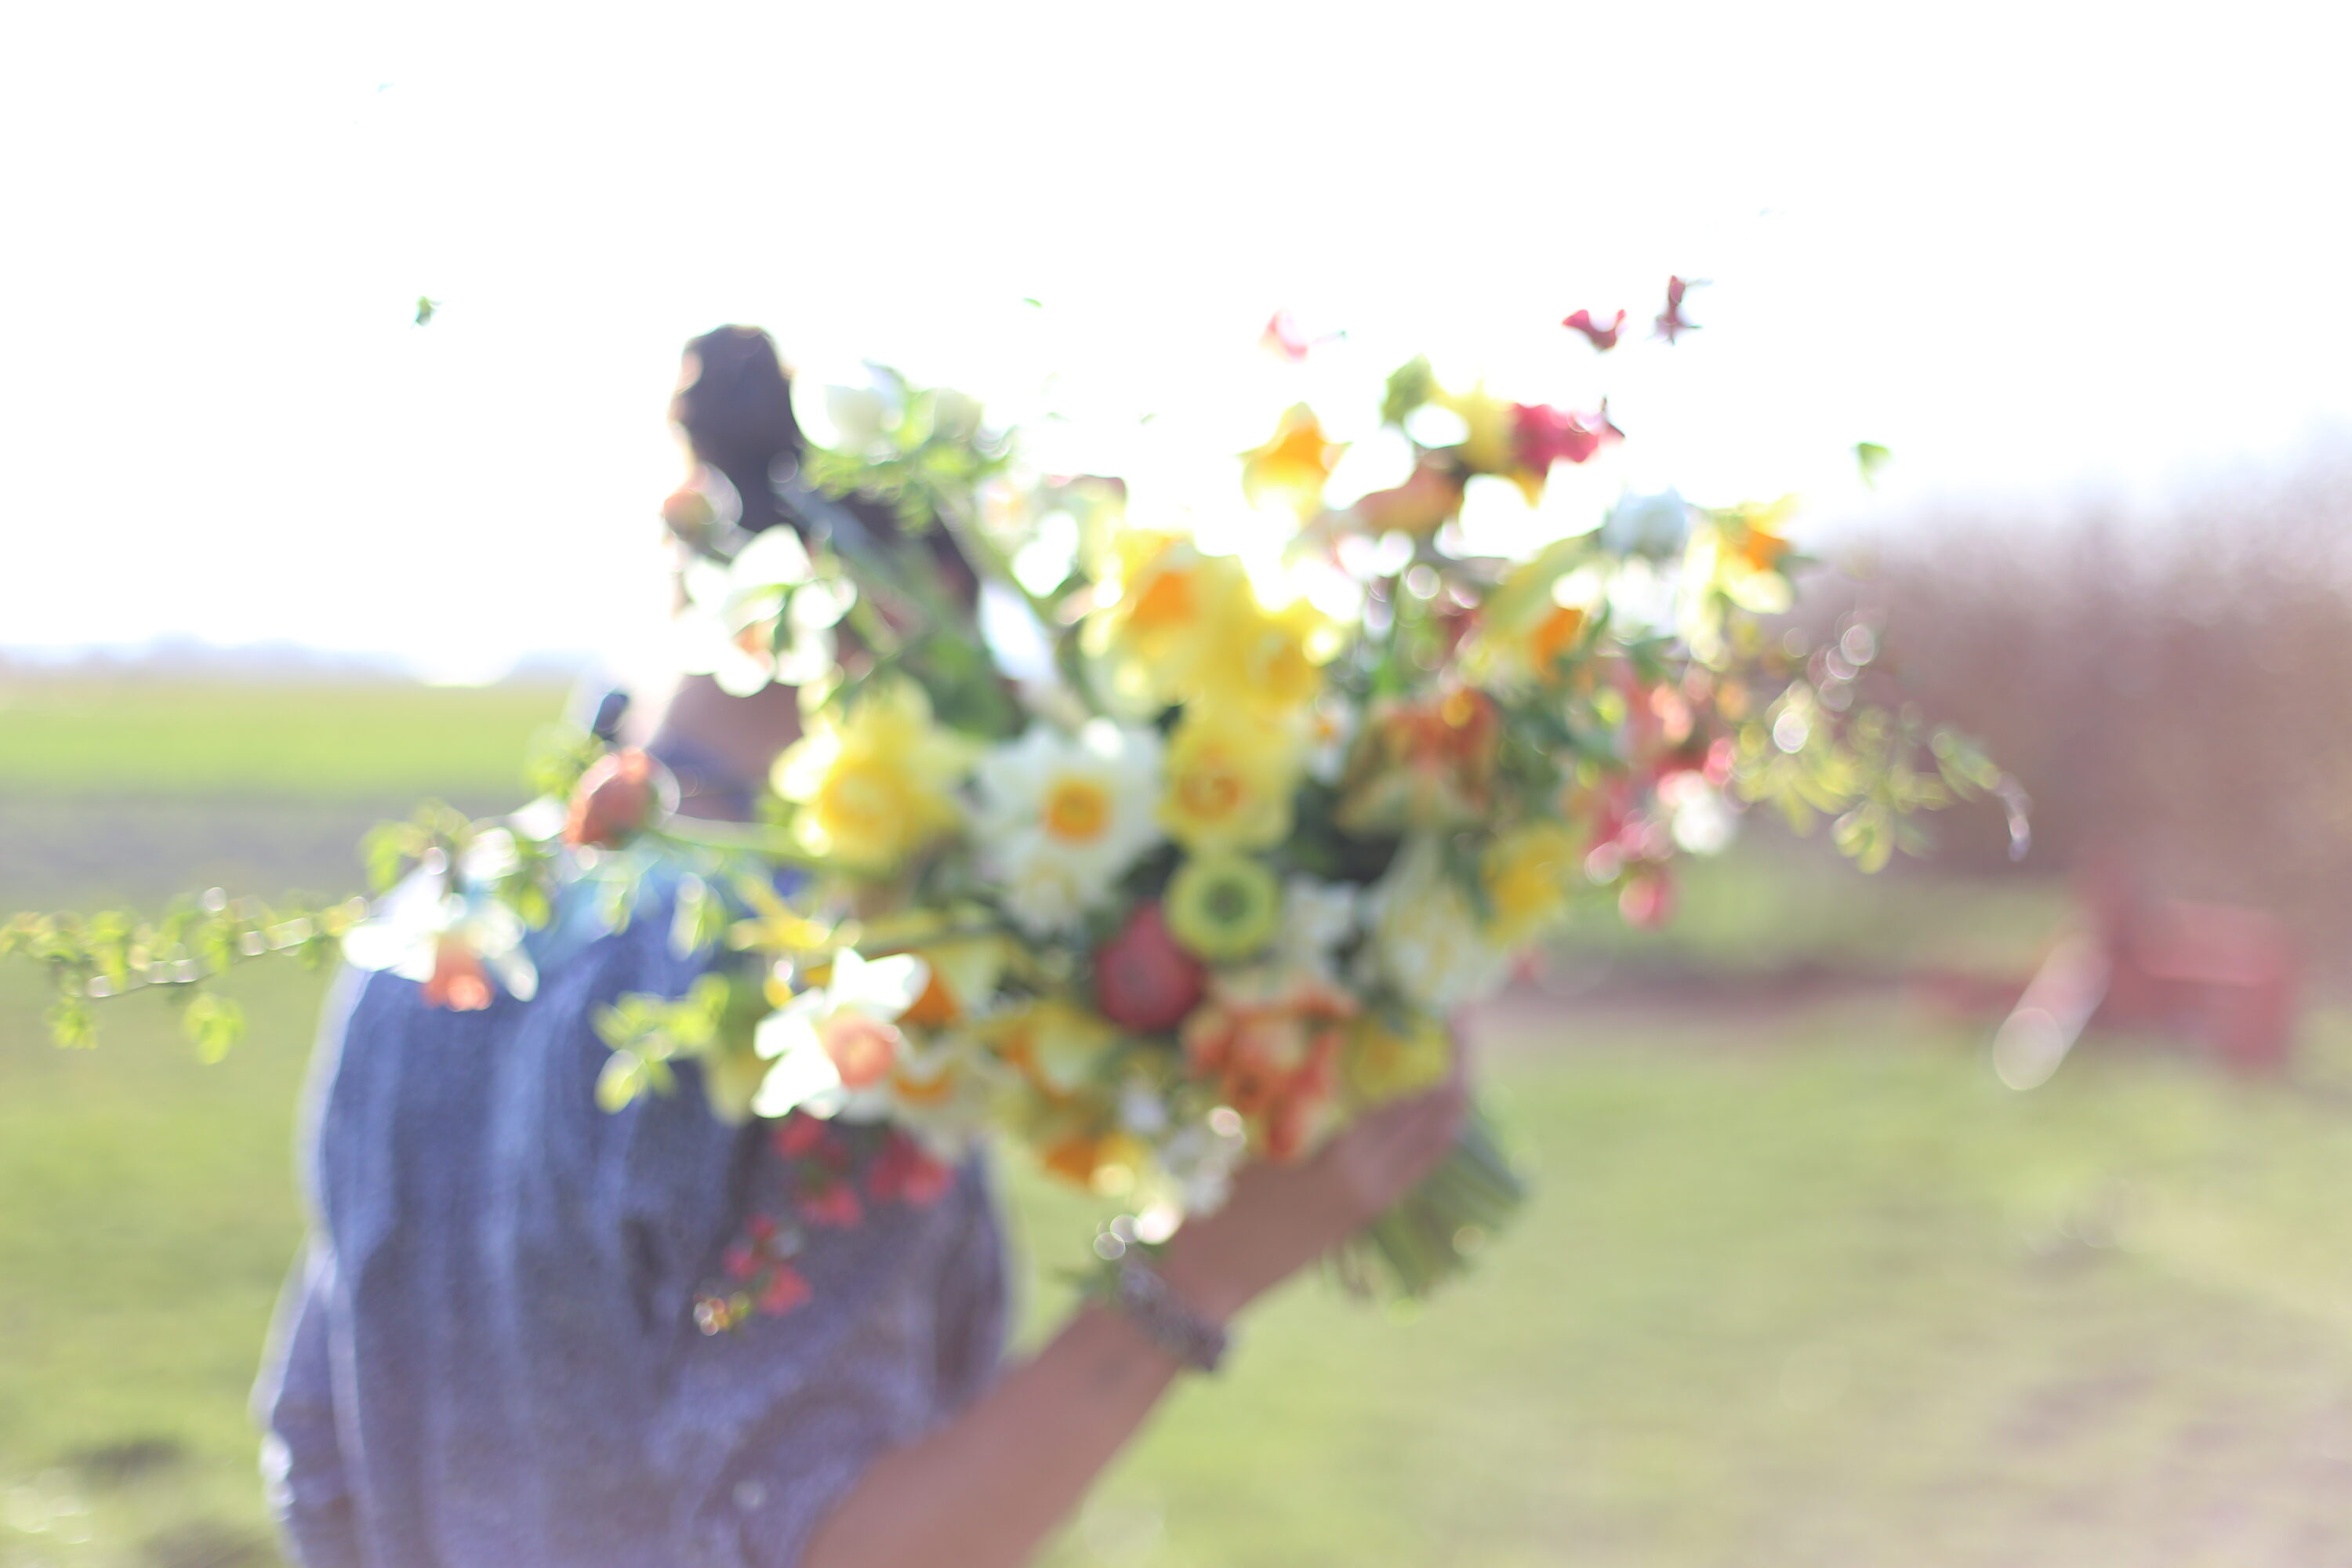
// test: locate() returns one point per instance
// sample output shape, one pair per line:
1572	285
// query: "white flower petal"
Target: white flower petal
787	1032
491	855
378	944
516	973
798	1077
887	985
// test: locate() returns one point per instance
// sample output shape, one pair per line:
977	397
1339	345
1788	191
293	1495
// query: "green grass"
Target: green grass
306	740
1825	1294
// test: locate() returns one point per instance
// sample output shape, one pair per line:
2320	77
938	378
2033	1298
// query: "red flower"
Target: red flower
785	1289
905	1173
614	799
831	1203
1672	322
1544	435
740	1262
1601	338
797	1137
1143	981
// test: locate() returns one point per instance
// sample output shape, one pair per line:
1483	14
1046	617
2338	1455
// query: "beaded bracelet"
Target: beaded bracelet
1153	1306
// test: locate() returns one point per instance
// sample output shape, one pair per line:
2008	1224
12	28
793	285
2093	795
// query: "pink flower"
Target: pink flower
1544	435
1672	322
1285	338
1601	338
1143	980
1647	898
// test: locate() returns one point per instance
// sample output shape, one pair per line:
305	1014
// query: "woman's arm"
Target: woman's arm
985	1490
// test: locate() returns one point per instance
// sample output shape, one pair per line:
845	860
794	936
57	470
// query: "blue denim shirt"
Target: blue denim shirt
486	1357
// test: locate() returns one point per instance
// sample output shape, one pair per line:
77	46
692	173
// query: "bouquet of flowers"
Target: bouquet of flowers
1149	858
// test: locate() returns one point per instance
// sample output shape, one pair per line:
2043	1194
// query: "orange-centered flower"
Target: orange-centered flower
1076	811
862	1047
1295	464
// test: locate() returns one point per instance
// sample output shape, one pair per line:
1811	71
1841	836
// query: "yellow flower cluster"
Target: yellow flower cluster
1188	627
876	782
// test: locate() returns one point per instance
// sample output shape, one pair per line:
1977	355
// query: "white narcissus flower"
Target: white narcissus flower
1061	816
943	1093
829	1044
451	942
739	609
1425	937
1318	919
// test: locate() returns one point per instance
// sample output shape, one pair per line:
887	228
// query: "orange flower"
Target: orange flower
458	981
1419	764
1295	464
1273	1052
1428	498
613	800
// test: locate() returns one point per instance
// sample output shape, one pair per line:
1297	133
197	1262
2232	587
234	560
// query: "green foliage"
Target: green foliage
113	953
927	457
1410	385
213	1024
646	1032
559	754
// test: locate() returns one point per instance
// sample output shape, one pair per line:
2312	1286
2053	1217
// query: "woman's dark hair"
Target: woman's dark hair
735	404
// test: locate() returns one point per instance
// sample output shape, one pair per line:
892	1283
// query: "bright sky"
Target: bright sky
2026	246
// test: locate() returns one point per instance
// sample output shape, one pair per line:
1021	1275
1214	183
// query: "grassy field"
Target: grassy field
1800	1283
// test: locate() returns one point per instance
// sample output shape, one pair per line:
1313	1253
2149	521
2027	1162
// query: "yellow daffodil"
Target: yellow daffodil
1527	874
1167	605
1229	781
775	927
1054	1042
964	973
874	784
1105	1162
1270	660
1390	1056
1491	446
1756	531
1524	628
1295	464
1741	551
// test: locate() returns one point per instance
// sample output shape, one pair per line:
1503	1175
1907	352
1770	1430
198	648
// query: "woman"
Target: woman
488	1355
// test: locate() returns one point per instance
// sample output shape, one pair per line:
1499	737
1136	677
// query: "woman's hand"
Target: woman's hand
1283	1218
983	1490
